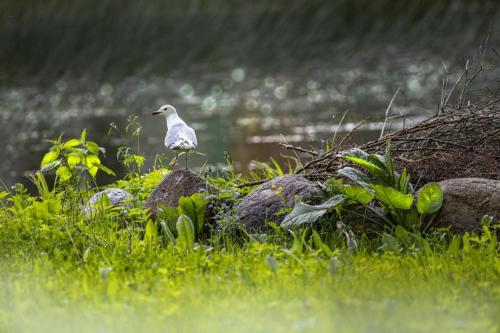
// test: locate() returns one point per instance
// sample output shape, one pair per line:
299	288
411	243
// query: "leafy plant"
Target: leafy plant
303	213
74	158
381	186
185	220
130	157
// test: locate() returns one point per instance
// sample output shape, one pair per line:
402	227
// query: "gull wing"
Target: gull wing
180	137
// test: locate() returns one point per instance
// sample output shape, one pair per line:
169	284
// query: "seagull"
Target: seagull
180	137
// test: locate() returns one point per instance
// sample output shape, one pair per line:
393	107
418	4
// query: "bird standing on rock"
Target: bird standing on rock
180	137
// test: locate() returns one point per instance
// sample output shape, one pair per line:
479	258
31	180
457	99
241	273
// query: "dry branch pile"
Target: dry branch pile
461	141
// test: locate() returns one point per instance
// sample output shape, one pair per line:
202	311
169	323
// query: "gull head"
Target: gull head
166	110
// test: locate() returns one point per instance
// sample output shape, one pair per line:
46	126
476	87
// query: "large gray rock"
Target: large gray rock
116	197
466	201
176	184
270	198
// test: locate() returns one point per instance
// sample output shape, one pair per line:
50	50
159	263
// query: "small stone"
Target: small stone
268	201
176	184
466	201
116	196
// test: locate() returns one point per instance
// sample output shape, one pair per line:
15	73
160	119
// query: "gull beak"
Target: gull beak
156	113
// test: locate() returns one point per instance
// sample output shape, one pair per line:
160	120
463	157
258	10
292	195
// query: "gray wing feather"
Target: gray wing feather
180	137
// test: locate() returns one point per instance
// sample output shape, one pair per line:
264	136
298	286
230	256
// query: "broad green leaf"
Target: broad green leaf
169	215
92	162
106	170
402	235
92	147
64	173
74	159
167	232
358	193
185	232
378	160
3	194
49	157
390	243
303	213
356	176
50	166
430	199
355	152
392	197
71	143
372	168
195	208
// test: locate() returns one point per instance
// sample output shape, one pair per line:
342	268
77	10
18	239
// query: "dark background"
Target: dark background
69	65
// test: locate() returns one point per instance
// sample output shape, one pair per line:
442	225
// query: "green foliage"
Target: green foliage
303	213
380	186
430	199
185	233
130	157
191	208
73	158
195	208
392	198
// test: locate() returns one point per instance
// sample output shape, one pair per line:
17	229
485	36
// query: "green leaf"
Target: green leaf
392	197
321	245
404	182
358	193
49	157
355	152
74	159
303	213
106	170
92	162
378	160
169	215
185	232
50	166
372	168
71	143
64	173
92	147
195	208
167	232
83	136
138	160
3	194
402	235
151	234
430	199
356	176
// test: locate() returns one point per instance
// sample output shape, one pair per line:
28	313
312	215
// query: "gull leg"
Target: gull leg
174	162
186	157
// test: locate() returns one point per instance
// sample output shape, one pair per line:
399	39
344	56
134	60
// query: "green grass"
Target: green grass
239	290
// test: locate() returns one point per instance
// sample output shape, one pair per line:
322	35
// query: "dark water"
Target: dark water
245	75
